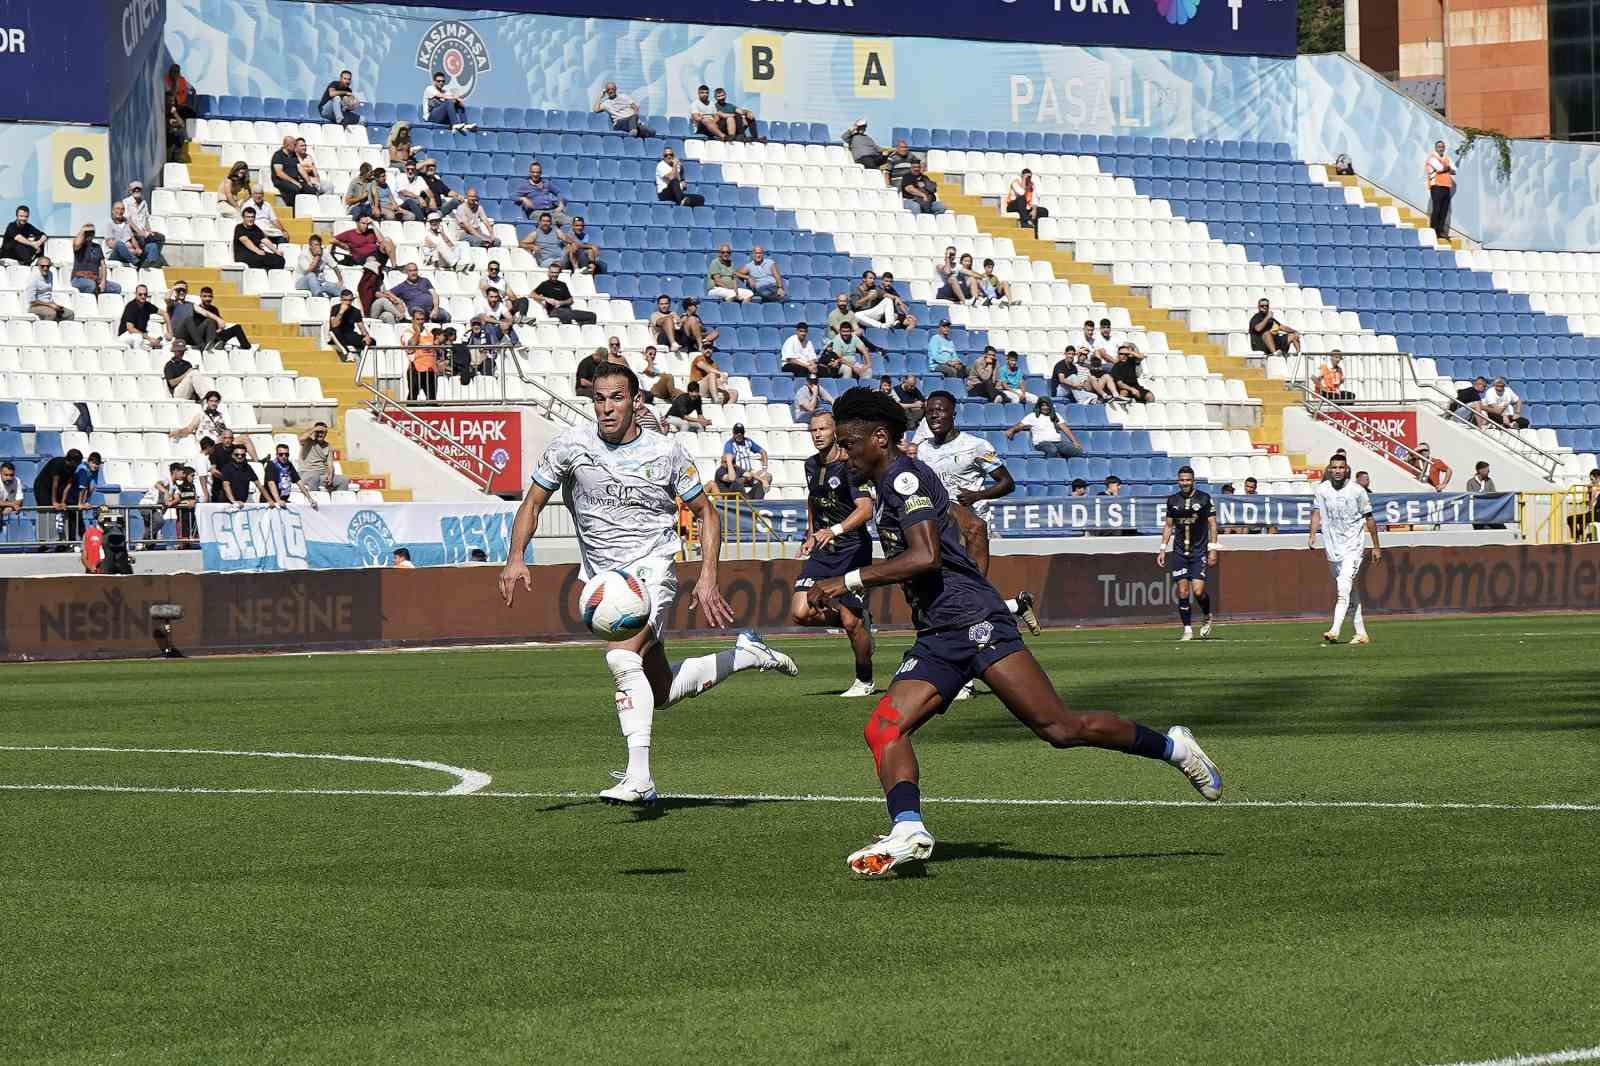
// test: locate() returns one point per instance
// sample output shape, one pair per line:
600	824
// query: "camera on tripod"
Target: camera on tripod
114	546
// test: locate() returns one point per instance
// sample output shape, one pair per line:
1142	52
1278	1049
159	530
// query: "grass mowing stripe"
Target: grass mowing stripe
1552	1058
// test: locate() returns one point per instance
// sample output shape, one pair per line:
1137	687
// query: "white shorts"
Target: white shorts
1345	571
660	578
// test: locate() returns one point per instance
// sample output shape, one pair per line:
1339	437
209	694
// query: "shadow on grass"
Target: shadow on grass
999	849
653	871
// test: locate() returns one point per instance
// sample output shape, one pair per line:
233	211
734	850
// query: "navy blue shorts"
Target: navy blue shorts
949	658
1187	567
830	563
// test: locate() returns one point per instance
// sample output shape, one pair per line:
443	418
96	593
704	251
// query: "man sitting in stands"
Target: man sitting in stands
1269	335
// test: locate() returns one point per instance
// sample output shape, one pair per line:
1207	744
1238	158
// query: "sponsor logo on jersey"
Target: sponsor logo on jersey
981	633
905	482
909	664
917	503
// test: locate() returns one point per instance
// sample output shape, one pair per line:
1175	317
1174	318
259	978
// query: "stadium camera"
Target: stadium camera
162	615
114	544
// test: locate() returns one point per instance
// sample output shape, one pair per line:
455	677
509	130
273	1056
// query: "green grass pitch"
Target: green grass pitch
219	927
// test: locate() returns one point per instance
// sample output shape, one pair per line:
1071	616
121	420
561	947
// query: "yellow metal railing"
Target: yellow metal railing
1563	517
743	528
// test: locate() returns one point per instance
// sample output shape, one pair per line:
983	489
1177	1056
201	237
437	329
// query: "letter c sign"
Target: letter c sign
80	159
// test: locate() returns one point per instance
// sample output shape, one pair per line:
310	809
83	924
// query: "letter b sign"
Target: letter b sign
761	63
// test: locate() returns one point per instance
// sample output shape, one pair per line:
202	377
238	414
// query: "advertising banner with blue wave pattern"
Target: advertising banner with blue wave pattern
345	536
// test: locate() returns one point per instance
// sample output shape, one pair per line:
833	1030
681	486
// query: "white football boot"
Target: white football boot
629	791
769	658
1205	629
1196	766
1188	634
887	852
859	688
967	690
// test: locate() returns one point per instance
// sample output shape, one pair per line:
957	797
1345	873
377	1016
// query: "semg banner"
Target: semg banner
493	436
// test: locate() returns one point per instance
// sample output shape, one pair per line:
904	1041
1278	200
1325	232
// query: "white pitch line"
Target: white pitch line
1551	1058
774	797
467	781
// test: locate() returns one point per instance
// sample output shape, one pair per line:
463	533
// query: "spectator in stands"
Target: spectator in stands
1113	486
846	351
133	328
180	92
742	118
285	167
712	379
942	356
363	246
473	224
442	198
1125	372
583	381
266	217
921	192
536	196
493	316
251	246
234	192
177	136
646	416
705	119
1012	380
422	372
686	412
809	398
316	272
41	293
1107	341
722	277
762	276
388	205
738	471
876	303
543	242
693	328
183	378
623	110
492	278
582	254
240	484
1440	171
402	559
280	479
412	192
339	102
653	381
306	167
1098	384
862	148
441	250
886	385
1330	379
910	399
89	264
1046	431
316	461
1501	406
206	329
137	210
1269	335
414	294
953	284
398	144
23	241
444	108
1364	479
983	377
1064	376
556	299
1469	397
10	494
897	164
346	327
359	197
991	288
1585	525
671	185
80	494
664	326
209	422
1022	200
179	309
799	355
1480	483
1435	472
1079	487
50	488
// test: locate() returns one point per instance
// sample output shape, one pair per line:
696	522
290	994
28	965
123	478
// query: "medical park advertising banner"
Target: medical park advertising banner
345	536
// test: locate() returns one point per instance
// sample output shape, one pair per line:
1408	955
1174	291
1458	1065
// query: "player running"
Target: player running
1191	521
964	462
622	483
963	631
838	509
1343	511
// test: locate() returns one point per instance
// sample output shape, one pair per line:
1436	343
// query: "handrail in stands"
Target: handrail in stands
447	449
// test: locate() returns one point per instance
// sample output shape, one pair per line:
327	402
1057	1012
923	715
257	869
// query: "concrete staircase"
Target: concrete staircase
1274	395
302	354
1409	216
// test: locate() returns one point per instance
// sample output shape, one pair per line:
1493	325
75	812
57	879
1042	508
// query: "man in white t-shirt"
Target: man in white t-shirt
1046	430
799	355
443	107
1342	510
1501	404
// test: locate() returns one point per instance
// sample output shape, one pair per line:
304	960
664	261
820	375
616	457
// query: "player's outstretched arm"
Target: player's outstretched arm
522	531
922	554
707	596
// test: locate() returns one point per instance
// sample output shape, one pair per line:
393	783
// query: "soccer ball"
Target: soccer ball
615	605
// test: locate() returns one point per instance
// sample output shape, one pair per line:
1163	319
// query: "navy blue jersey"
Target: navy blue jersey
957	593
1191	521
831	494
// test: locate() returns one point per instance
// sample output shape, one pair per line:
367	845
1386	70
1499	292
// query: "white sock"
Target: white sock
636	709
1011	605
1360	623
1339	607
1180	748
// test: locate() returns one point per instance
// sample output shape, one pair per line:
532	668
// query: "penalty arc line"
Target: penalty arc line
1551	1058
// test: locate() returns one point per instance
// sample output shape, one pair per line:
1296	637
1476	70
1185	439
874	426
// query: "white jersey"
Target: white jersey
1344	513
964	461
623	499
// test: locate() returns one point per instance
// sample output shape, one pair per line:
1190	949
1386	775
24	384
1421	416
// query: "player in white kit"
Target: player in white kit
622	484
1342	510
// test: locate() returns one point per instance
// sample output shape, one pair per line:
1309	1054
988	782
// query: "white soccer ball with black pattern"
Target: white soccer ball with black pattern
615	605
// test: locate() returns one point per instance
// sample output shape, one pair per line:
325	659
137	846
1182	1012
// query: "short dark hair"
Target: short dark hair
1481	465
215	393
402	553
873	407
1112	479
94	457
707	88
942	394
342	73
74	457
1186	469
618	370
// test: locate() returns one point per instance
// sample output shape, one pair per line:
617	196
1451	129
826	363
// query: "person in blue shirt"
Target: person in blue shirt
942	355
963	631
78	496
1010	379
537	196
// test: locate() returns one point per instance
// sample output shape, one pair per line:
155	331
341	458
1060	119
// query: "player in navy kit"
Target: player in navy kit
1191	529
963	631
838	508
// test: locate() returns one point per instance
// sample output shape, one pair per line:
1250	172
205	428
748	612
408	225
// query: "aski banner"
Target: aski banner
492	436
1382	431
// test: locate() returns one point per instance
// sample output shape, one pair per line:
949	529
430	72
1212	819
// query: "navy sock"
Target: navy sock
864	671
1184	612
905	802
1204	600
1150	744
